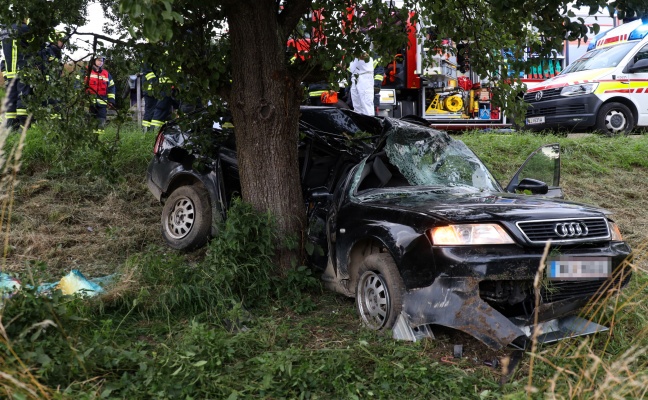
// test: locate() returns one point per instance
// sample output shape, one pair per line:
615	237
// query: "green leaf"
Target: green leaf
177	371
43	359
309	247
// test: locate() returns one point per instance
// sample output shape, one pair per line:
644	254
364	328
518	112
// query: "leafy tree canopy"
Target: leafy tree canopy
237	51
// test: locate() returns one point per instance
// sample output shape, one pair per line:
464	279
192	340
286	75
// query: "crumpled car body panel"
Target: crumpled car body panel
379	185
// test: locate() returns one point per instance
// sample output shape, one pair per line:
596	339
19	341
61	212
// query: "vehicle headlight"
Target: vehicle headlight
470	234
580	89
615	232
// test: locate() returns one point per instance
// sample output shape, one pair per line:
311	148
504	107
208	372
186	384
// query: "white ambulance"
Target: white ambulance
606	90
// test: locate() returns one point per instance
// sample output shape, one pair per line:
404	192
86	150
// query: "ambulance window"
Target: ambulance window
641	54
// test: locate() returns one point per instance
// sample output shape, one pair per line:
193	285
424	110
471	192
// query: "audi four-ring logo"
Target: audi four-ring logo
538	96
571	229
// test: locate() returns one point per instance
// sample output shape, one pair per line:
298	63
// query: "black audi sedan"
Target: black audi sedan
415	227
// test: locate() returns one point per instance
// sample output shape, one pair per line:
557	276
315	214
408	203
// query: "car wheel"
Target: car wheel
379	292
186	218
615	119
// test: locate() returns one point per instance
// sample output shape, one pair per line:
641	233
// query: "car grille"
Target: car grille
548	94
534	111
562	290
539	232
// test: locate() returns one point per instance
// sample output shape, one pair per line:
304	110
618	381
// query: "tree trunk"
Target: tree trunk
265	109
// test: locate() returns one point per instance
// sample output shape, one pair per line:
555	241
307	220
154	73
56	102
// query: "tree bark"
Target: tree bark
265	109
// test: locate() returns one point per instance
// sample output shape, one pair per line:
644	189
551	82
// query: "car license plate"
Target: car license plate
535	120
562	268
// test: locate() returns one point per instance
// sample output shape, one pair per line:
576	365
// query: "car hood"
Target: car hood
460	206
568	79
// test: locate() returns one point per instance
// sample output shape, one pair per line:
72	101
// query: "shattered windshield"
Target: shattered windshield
416	156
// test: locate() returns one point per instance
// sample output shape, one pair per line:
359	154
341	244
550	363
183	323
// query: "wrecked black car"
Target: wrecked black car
415	227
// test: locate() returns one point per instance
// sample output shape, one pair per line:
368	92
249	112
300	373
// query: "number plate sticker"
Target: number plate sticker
535	120
562	268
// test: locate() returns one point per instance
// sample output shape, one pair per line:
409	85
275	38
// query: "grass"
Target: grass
214	324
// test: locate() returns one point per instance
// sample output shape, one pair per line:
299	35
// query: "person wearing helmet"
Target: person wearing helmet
100	85
52	52
50	64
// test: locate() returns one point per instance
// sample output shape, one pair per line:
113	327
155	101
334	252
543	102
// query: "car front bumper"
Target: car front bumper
564	112
459	301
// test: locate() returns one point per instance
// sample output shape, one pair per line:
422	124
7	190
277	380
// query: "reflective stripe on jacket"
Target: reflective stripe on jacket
101	83
14	44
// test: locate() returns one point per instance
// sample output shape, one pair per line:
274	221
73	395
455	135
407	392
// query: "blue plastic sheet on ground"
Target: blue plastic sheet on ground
73	283
8	285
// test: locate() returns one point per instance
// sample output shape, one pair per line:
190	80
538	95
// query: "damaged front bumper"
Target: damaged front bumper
456	303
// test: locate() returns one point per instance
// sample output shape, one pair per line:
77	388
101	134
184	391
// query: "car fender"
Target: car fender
411	250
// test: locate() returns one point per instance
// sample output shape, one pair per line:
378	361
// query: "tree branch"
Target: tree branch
103	37
293	10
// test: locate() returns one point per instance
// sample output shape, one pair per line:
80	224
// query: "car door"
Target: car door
639	85
542	167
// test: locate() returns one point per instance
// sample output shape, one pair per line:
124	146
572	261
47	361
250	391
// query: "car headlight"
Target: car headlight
470	234
615	232
580	89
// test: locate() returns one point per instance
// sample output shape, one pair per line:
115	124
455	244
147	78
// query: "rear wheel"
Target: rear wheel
615	119
186	218
379	292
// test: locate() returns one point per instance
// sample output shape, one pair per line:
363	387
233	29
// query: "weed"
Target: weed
218	324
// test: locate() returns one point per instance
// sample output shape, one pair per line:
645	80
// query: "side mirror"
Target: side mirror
532	185
543	165
639	66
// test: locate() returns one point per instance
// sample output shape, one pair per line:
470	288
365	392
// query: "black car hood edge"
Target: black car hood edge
462	206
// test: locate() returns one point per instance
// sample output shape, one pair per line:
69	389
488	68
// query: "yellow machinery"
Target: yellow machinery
448	104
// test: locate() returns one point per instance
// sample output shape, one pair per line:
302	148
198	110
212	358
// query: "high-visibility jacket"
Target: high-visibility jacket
49	60
150	80
14	49
101	83
379	73
153	79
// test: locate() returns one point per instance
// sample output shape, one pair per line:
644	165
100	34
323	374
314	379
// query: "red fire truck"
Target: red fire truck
448	94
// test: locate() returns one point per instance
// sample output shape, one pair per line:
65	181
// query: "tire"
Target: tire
186	218
379	292
615	119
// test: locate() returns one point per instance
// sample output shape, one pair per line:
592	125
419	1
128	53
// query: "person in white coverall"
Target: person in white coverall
362	85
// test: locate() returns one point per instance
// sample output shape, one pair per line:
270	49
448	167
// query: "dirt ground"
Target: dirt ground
58	224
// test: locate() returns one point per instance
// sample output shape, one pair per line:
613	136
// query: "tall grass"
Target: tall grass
218	324
110	155
16	380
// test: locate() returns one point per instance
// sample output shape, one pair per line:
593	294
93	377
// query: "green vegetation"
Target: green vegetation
219	323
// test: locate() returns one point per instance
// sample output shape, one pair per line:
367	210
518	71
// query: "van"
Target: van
606	90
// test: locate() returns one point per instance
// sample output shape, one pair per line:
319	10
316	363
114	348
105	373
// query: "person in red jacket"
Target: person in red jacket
100	83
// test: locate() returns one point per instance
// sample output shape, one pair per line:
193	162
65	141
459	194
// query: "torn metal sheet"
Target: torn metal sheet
563	328
455	303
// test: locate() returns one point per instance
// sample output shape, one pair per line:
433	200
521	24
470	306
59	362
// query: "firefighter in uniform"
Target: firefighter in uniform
315	92
15	57
166	103
99	83
379	75
150	80
51	65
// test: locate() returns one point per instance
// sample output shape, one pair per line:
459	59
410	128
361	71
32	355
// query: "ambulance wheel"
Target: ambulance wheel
615	119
